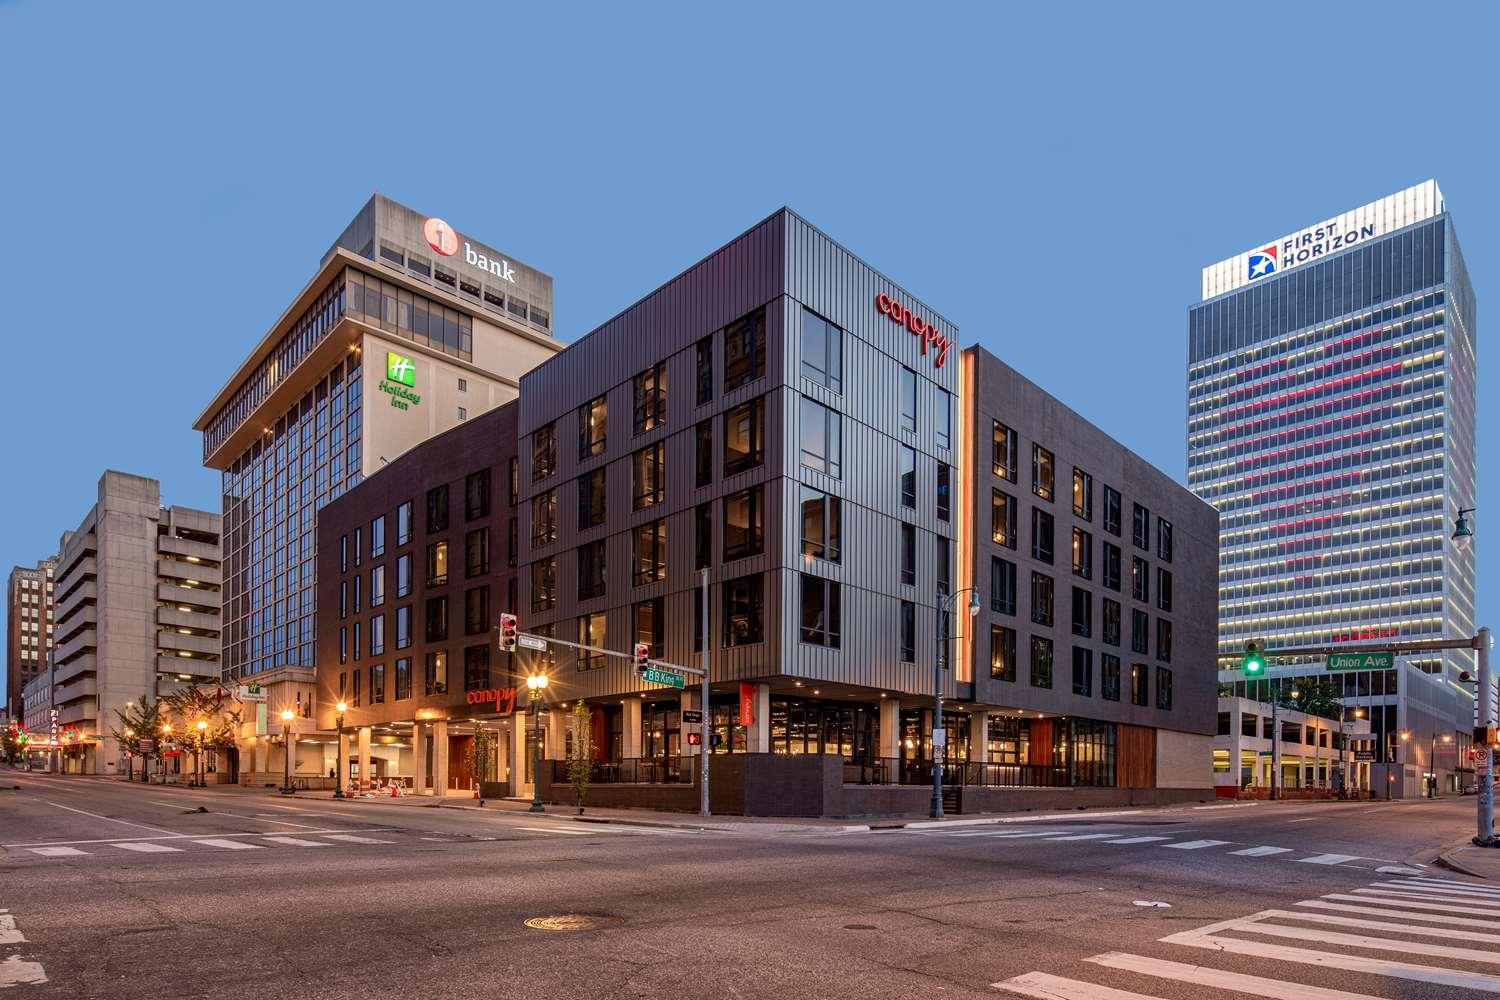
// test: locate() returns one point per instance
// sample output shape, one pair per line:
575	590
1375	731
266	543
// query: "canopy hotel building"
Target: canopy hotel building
790	420
1331	421
406	329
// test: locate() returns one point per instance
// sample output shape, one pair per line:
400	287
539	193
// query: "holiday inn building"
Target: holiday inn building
790	422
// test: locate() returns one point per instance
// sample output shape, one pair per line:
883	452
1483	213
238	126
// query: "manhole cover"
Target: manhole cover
860	927
570	922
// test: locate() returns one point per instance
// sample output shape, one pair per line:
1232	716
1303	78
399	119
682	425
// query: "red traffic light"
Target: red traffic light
509	629
642	656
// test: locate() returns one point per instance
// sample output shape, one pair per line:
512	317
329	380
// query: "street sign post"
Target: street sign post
655	675
1360	661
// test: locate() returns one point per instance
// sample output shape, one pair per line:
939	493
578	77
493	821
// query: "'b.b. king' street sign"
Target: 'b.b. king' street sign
1360	661
652	675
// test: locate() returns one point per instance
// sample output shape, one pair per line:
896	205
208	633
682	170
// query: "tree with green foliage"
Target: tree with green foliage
1320	698
480	757
12	744
581	752
138	720
188	706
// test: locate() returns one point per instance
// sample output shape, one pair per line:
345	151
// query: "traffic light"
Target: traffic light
1465	676
509	628
642	656
1254	662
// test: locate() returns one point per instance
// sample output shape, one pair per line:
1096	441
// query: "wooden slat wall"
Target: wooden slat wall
1135	761
1041	742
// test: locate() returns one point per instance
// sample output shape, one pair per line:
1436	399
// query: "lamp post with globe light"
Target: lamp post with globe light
286	750
939	734
202	727
338	782
536	684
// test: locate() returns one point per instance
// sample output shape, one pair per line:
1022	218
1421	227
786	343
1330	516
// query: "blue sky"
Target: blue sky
1050	177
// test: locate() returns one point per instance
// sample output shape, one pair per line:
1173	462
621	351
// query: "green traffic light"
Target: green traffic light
1254	661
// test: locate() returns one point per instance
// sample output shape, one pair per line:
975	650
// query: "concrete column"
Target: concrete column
554	730
364	759
343	754
689	701
440	757
890	727
262	755
979	744
630	729
517	746
758	736
419	742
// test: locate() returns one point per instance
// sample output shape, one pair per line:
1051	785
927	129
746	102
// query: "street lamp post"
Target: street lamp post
536	684
1390	779
202	727
1432	762
1276	776
944	604
286	750
1344	750
338	781
166	734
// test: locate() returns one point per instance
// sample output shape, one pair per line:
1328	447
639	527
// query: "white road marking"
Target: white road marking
1198	975
1385	925
1254	925
1084	836
179	836
1408	903
1438	883
8	932
146	847
438	840
1328	859
296	842
1009	834
1044	986
57	852
1435	896
1398	870
1195	845
547	829
352	839
1262	852
1136	840
229	845
14	972
139	826
1436	918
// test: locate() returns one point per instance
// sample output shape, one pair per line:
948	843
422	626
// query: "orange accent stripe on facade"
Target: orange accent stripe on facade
965	514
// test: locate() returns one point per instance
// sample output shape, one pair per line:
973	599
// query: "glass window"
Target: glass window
1041	535
1083	613
593	427
1083	494
743	535
943	418
477	668
1139	623
403	574
435	673
591	570
908	477
403	678
435	617
591	499
944	473
1163	589
648	473
908	627
377	635
377	684
1041	598
437	509
477	552
944	565
1140	579
651	398
1002	653
821	525
1164	688
343	553
544	518
705	369
1109	677
908	393
437	564
908	555
822	438
1083	671
1041	662
377	537
1141	527
703	535
822	351
515	481
820	611
1139	681
477	494
544	584
703	453
1111	566
1004	451
744	434
1164	640
1111	510
377	586
1002	586
476	611
1002	519
1111	622
745	350
1041	472
403	626
1083	554
743	610
1164	539
647	616
543	452
649	542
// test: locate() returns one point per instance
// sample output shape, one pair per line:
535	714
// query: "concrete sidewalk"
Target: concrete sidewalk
1468	859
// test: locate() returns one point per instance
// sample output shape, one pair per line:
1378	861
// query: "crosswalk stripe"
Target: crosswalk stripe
1332	960
1328	859
1137	840
229	845
1454	887
1083	836
1436	897
296	842
350	838
1253	925
1008	834
1385	925
1435	918
56	852
1261	852
438	840
548	829
1411	903
1199	975
147	847
1196	845
1450	883
1049	987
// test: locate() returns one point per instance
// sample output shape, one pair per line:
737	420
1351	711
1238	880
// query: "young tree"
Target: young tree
139	720
581	752
12	744
187	707
480	757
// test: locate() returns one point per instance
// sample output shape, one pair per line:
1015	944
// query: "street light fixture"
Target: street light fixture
943	605
536	684
202	728
1462	529
338	782
286	750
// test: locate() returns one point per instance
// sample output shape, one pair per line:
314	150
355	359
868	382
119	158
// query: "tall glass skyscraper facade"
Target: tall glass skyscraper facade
1331	421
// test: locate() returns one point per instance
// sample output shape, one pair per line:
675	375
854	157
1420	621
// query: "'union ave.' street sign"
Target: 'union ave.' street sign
1360	661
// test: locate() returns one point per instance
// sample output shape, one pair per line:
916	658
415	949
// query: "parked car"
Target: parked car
1469	789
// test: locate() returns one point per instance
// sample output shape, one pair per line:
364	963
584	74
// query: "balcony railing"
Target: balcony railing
902	771
632	771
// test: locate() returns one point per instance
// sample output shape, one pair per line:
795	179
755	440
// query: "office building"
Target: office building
137	614
406	329
1331	422
28	598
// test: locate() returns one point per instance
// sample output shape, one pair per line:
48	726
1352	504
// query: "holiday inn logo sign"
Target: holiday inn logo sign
400	379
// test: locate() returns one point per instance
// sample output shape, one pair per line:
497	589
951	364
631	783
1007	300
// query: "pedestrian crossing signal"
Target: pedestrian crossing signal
1254	662
509	629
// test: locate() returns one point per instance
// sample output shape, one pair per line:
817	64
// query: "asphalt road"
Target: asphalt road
118	891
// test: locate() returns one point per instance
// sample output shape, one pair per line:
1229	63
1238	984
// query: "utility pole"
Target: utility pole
1485	765
703	750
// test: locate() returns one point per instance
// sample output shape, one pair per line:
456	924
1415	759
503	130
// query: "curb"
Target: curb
1445	860
722	827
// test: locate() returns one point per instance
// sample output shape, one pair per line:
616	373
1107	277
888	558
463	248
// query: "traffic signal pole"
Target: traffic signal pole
1485	765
